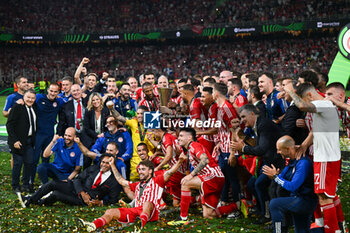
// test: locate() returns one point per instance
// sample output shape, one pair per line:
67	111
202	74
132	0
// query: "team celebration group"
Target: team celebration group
271	152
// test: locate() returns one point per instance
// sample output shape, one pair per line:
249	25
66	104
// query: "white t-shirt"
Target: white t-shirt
325	127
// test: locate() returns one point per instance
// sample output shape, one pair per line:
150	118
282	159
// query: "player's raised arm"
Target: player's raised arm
123	182
171	171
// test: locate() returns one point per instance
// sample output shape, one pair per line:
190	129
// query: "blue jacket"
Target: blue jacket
123	140
298	178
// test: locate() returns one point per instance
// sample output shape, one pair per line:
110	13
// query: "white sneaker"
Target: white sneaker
22	200
89	225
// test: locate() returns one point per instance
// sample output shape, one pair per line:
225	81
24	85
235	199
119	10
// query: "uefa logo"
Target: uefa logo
151	120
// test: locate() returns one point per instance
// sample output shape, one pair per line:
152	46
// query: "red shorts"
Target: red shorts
128	215
207	144
173	186
211	190
326	175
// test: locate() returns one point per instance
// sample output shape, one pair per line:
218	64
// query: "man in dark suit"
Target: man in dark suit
288	122
267	135
21	127
72	113
96	185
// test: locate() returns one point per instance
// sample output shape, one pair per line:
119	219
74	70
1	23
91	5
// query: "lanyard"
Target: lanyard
142	136
120	106
142	188
153	106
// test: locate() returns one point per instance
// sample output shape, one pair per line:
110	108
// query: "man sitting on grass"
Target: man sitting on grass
89	188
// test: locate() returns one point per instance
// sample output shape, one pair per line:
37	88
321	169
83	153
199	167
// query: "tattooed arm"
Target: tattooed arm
299	102
123	182
171	171
203	162
117	115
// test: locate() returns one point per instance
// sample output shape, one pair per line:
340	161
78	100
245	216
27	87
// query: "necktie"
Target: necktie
98	181
31	120
78	114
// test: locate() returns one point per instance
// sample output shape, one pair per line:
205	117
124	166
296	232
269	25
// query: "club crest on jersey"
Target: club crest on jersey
120	139
54	104
72	154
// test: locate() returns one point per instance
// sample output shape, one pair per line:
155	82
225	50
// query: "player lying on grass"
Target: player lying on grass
147	194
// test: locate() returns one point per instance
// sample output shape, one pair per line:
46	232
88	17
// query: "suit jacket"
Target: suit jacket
262	108
89	135
268	134
66	117
289	127
109	187
18	127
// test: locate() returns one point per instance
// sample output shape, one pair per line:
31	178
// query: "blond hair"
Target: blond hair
89	105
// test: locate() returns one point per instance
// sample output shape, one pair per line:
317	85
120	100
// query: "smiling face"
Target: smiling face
148	90
52	92
111	149
104	165
142	151
133	84
282	150
144	172
29	99
206	98
265	84
96	102
76	92
69	135
162	82
184	138
23	84
149	78
139	115
91	82
248	118
66	86
125	92
111	124
336	93
112	87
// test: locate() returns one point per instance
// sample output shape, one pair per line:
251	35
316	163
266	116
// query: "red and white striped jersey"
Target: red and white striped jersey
133	95
177	99
170	140
225	114
153	191
213	114
198	111
152	105
240	100
140	95
195	150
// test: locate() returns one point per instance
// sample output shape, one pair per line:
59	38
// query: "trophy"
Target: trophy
164	95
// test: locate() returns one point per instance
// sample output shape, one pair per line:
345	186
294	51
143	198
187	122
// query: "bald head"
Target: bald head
69	135
225	76
286	147
286	141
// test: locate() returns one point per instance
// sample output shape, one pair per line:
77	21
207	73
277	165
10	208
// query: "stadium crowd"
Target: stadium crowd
52	63
86	16
238	144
